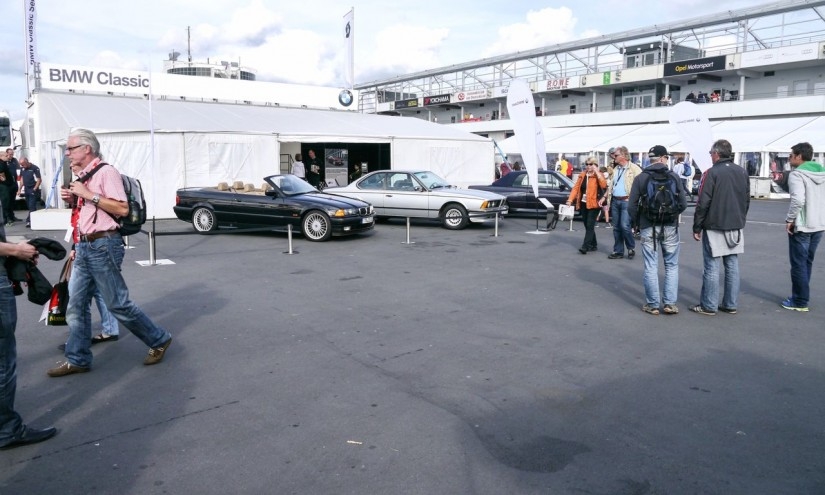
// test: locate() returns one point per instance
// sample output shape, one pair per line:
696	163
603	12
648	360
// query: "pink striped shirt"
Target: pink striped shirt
107	183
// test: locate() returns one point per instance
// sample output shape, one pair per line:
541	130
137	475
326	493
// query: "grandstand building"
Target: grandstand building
759	72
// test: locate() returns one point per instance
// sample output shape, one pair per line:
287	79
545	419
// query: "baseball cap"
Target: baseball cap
657	151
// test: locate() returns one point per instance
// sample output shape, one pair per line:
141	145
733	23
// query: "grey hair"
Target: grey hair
88	138
723	148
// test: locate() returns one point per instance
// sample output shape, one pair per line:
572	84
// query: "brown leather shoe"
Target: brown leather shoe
66	368
156	353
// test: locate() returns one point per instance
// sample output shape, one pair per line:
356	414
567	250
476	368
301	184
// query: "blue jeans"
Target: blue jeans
107	319
709	298
667	238
31	203
97	267
620	218
801	250
10	421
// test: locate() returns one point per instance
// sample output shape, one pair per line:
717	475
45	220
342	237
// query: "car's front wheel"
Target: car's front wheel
316	226
454	217
203	219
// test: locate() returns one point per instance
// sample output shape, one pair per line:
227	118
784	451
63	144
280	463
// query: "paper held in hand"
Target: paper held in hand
566	212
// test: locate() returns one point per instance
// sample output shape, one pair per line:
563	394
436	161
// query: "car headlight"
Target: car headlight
341	212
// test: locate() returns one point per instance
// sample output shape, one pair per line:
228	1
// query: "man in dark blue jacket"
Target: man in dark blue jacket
721	212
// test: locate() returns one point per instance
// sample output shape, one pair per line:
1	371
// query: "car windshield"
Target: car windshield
431	180
547	180
290	184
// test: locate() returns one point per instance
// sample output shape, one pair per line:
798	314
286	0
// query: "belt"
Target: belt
621	198
97	235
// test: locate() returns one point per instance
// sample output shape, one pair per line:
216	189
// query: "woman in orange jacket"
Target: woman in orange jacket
585	195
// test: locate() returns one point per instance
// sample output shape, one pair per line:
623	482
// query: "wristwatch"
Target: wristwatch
96	199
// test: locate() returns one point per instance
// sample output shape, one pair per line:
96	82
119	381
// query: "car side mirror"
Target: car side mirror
272	193
562	187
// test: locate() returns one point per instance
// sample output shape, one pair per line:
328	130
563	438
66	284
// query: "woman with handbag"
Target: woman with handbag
584	196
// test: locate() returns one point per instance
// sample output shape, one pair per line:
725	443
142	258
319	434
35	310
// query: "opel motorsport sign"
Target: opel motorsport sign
696	66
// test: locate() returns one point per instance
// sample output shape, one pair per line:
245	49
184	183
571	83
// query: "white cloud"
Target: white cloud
399	49
545	27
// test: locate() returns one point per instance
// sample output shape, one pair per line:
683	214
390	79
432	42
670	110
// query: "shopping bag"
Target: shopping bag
56	315
566	212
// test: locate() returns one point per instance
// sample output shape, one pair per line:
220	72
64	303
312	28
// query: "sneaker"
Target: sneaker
788	304
702	311
156	353
631	253
615	256
671	309
730	311
650	310
66	368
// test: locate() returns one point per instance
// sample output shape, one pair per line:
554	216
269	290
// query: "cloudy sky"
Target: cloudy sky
300	42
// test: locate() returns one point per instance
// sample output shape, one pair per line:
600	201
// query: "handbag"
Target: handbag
60	297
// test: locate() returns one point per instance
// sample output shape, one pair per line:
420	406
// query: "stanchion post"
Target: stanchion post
289	240
495	234
571	225
152	258
408	232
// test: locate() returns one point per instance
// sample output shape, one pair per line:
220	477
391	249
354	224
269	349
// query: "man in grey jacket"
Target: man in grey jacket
721	211
804	222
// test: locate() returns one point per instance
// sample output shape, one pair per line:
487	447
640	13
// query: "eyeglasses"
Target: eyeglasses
69	149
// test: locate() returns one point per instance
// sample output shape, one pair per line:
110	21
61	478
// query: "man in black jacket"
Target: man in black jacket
721	212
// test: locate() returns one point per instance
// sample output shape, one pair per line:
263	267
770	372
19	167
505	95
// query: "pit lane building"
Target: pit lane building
758	72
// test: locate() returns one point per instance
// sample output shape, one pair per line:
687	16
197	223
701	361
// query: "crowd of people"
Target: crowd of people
646	204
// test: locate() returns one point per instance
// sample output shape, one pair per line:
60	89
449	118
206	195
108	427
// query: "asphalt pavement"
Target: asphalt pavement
463	363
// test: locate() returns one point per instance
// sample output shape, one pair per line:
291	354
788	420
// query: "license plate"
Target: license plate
366	220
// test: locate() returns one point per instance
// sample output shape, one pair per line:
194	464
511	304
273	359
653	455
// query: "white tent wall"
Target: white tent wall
201	144
213	158
131	154
461	163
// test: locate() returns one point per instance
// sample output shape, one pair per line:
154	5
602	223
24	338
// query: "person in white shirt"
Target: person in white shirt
298	169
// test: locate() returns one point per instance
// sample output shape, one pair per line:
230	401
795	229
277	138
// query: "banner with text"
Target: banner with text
30	16
696	66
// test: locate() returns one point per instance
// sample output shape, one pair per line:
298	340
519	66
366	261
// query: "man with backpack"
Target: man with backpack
99	199
657	197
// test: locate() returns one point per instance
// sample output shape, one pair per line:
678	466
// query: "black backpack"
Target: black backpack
660	200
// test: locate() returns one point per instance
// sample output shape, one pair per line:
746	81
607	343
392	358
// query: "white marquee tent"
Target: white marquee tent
753	135
201	144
